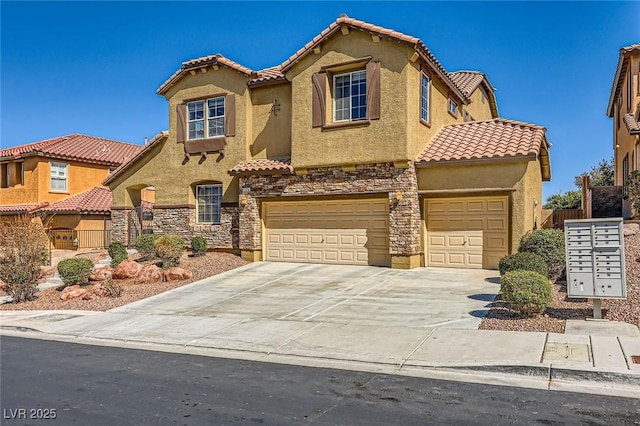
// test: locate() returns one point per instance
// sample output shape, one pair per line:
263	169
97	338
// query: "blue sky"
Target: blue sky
94	67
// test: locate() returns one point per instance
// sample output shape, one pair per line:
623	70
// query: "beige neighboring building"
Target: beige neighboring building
359	149
624	108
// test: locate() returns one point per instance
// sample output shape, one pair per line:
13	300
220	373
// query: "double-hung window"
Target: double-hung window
58	177
206	118
350	96
424	98
208	203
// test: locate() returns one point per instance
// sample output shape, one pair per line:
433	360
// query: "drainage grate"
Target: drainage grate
635	359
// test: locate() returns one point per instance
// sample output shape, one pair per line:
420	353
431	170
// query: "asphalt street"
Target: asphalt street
104	386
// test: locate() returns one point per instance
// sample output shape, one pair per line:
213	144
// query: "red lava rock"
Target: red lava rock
75	292
101	274
149	274
127	269
98	290
177	274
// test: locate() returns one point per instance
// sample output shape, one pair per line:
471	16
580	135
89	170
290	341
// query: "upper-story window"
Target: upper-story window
20	174
208	203
350	96
206	118
424	98
453	108
629	89
59	177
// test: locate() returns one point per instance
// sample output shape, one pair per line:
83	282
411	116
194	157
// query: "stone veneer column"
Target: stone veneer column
119	225
250	229
404	221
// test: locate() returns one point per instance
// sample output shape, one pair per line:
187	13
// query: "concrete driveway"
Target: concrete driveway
298	292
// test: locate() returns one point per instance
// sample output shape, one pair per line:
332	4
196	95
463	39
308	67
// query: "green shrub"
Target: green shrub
75	270
198	246
548	244
523	262
23	241
527	292
118	253
145	245
169	248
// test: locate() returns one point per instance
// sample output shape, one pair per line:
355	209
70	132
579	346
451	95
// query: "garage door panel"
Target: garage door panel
351	232
469	232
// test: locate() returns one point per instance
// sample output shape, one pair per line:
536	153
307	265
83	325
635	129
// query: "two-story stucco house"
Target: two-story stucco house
61	179
359	149
624	108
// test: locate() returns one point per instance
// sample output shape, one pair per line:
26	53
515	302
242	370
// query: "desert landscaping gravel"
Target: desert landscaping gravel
563	308
202	267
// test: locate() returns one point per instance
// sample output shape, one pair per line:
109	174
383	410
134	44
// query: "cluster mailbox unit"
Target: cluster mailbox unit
595	260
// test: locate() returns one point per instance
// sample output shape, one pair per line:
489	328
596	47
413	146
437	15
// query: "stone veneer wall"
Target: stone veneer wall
182	221
404	214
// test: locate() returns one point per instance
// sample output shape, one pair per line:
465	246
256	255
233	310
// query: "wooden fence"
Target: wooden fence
559	216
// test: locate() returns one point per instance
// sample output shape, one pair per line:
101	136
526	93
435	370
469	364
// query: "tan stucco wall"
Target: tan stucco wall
624	143
478	109
418	134
382	140
164	166
524	177
80	177
271	136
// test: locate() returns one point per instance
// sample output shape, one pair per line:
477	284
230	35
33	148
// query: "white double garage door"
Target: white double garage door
460	232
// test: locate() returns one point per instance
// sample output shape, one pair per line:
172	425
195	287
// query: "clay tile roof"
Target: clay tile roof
498	138
203	62
621	69
78	147
19	208
468	81
156	139
281	166
267	75
420	47
632	123
96	200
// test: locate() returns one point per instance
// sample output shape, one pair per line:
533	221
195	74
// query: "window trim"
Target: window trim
20	173
334	97
457	108
629	89
7	175
66	176
206	118
423	76
197	203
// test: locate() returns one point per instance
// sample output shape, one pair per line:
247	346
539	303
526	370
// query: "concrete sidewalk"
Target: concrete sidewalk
359	318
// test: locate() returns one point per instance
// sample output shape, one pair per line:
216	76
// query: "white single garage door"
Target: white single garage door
467	232
354	232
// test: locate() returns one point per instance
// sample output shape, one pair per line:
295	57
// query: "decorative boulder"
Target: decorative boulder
98	290
149	274
177	274
75	292
2	285
126	269
101	274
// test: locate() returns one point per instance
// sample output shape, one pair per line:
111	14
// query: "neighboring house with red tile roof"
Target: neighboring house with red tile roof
624	108
42	176
361	148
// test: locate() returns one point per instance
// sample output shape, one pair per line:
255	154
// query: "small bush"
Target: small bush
198	246
23	249
633	183
145	245
548	244
527	292
118	253
169	248
523	262
75	270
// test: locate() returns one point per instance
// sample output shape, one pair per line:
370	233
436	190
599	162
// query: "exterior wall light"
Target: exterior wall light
244	199
399	195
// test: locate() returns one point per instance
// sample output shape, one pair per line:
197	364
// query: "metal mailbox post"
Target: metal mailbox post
595	260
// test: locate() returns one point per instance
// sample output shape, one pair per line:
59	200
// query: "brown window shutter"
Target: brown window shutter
373	90
230	115
319	97
181	130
